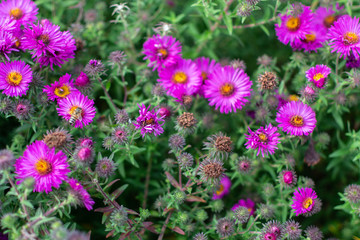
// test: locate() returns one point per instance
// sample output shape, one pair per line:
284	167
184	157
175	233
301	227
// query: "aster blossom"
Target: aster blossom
60	89
303	200
15	78
318	75
7	43
149	121
40	162
223	188
68	107
248	203
179	77
22	11
324	18
296	118
265	140
227	89
206	66
344	36
294	26
313	40
162	51
81	193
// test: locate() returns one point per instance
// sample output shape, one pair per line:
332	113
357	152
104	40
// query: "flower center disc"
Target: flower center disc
310	38
263	137
293	97
180	77
163	52
62	91
307	203
44	38
14	78
16	13
72	109
297	121
350	38
43	167
329	20
318	76
227	89
293	23
220	190
204	76
149	121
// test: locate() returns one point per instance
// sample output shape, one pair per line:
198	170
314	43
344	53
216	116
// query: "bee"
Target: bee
76	115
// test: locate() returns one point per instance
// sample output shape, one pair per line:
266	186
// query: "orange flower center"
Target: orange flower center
220	190
249	209
318	76
293	23
350	38
227	89
62	91
204	76
329	20
262	137
293	97
149	121
44	38
163	52
16	13
297	121
307	203
180	77
310	37
14	78
72	109
43	167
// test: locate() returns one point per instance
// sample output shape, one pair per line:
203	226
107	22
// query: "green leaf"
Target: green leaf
228	22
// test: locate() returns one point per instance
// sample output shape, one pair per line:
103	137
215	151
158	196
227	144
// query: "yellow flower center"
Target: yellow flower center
163	52
16	13
297	121
249	209
62	91
310	37
262	137
293	23
318	76
227	89
204	76
17	43
307	203
220	190
43	167
293	97
329	20
72	109
14	78
180	77
350	38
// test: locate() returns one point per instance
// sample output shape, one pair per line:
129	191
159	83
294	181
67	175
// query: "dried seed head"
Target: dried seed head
267	81
211	170
186	123
225	227
176	142
219	146
57	138
187	100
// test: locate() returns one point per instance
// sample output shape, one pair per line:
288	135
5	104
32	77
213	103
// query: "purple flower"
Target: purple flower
8	24
81	193
15	78
223	188
148	121
162	52
183	76
82	80
352	62
248	203
265	140
61	89
227	88
7	43
318	74
22	11
40	162
69	109
288	178
344	36
296	118
294	27
206	66
312	41
324	18
303	200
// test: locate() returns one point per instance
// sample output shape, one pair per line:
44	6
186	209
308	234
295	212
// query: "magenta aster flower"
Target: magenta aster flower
206	66
7	24
296	118
318	74
294	27
324	18
80	192
352	62
248	203
48	44
312	41
162	51
227	88
183	76
265	140
7	43
23	11
148	121
40	162
69	109
61	89
223	189
303	200
15	78
344	36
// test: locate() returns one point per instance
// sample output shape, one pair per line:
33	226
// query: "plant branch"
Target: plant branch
164	225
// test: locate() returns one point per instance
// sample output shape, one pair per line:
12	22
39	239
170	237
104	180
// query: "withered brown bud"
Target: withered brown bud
186	120
267	81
